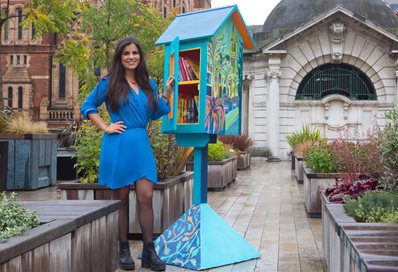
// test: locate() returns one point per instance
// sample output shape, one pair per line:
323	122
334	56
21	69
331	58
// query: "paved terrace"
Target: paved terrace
265	205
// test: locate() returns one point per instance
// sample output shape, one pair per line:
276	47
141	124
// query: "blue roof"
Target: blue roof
202	24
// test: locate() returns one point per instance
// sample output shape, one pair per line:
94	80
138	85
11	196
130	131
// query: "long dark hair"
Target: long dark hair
118	87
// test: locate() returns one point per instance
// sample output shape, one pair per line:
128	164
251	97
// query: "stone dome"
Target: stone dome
289	14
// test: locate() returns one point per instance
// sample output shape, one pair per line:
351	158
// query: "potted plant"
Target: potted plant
27	151
241	143
355	195
222	166
172	193
319	172
301	137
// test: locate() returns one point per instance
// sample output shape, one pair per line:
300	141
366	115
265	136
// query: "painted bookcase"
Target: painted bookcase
204	51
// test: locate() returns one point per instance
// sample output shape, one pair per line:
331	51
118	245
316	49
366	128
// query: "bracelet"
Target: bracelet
106	130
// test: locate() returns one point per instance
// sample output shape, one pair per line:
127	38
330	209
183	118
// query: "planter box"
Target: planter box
244	160
171	198
370	247
73	236
352	246
31	160
333	215
298	169
314	183
220	173
65	164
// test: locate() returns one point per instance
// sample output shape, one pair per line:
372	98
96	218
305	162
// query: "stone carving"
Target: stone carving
337	33
274	74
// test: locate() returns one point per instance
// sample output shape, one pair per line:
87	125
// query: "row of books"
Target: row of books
189	69
188	110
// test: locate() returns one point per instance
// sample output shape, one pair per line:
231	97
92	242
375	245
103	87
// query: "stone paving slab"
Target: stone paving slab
265	205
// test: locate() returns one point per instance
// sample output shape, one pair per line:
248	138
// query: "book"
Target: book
195	67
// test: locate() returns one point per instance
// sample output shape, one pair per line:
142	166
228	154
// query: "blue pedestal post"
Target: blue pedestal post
200	239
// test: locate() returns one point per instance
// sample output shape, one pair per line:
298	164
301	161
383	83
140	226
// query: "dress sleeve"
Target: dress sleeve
94	99
163	107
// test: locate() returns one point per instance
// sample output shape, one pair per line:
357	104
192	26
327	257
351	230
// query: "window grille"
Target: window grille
343	79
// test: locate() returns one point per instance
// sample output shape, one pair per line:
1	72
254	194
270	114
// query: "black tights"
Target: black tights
144	192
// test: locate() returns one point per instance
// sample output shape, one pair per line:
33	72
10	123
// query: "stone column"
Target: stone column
273	107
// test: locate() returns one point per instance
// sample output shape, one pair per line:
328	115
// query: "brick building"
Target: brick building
33	82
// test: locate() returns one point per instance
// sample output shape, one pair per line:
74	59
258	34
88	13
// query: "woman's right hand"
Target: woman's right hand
117	127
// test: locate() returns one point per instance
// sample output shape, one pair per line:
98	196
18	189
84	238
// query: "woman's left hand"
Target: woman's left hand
169	87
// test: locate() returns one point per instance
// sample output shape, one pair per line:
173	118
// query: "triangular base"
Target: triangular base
200	239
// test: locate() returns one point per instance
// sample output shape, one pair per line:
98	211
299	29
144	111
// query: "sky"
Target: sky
254	12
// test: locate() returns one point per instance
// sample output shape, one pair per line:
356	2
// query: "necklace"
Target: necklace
133	82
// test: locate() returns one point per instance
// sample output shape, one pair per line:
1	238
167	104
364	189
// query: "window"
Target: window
6	27
18	59
25	59
10	93
174	3
20	97
62	81
19	14
164	12
343	79
11	60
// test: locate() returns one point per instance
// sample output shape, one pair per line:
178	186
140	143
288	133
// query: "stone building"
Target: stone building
331	64
33	82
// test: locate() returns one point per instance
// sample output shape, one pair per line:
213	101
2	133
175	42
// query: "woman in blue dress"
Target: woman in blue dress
126	155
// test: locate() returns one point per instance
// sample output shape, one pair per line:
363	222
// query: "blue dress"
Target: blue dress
126	158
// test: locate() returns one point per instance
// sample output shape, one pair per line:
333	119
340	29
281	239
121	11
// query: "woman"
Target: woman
126	155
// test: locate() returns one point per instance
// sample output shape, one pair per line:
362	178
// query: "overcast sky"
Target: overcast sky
254	12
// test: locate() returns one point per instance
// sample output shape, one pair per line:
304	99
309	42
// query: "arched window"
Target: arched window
62	81
19	14
10	93
343	79
20	97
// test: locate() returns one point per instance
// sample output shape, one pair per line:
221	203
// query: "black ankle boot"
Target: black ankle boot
150	259
126	262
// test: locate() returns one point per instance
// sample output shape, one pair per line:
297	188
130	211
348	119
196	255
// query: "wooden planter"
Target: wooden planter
298	169
220	173
73	236
352	246
244	160
171	198
65	164
30	159
314	183
333	215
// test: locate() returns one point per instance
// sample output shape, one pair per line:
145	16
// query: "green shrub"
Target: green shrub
374	207
389	151
319	158
88	146
216	152
14	219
